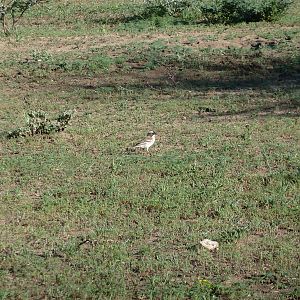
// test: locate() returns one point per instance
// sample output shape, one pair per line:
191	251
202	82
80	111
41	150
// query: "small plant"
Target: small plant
165	7
38	123
205	289
40	56
12	11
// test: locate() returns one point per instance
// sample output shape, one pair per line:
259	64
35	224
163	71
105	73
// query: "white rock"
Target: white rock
210	245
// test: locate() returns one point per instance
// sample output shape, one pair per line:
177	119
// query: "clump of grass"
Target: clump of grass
38	123
43	61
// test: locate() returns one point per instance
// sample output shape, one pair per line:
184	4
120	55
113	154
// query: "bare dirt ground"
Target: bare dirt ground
207	39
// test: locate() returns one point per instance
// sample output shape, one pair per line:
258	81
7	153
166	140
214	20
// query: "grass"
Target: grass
83	217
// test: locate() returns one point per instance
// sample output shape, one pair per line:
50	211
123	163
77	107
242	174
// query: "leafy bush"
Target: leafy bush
38	123
235	11
218	11
164	7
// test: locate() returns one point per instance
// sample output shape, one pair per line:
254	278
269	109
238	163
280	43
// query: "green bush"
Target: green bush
218	11
166	7
38	123
235	11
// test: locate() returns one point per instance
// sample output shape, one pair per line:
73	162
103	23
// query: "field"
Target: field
82	216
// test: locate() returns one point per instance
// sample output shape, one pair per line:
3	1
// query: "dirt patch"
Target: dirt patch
56	45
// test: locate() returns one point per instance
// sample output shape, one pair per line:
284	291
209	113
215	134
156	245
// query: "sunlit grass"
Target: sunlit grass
84	216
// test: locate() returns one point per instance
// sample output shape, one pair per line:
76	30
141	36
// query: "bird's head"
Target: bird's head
151	133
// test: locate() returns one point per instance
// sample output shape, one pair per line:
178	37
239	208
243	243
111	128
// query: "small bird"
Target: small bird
148	142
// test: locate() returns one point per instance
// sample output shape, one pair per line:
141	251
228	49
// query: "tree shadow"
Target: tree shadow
117	19
275	75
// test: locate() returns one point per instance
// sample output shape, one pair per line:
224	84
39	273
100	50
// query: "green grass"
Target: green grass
84	217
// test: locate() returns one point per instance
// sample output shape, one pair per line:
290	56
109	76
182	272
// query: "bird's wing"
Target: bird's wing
141	145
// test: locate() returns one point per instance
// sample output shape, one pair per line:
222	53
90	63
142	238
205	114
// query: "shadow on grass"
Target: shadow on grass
159	15
118	19
277	77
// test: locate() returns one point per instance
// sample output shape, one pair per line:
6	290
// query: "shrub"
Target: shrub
166	7
38	123
218	11
235	11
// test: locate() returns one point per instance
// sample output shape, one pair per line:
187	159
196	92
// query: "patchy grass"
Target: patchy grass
82	217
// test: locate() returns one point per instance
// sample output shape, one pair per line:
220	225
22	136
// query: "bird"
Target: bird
148	142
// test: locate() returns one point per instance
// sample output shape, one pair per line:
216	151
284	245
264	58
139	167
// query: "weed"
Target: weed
38	123
163	7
